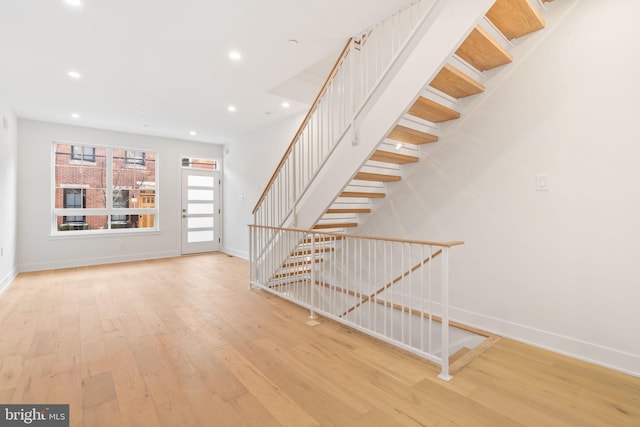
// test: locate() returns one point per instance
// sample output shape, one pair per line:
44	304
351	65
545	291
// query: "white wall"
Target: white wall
248	165
561	268
38	250
8	195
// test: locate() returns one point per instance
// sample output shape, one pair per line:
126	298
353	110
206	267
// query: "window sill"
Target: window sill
75	234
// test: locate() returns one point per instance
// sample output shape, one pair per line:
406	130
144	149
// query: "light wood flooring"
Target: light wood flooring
184	342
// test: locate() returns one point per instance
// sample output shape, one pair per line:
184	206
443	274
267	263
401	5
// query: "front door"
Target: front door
200	211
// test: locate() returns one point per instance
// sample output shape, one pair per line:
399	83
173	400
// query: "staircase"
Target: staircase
357	140
441	101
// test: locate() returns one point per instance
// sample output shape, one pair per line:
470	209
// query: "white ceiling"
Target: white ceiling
161	67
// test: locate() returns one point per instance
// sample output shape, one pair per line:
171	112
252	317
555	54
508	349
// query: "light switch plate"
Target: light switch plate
542	183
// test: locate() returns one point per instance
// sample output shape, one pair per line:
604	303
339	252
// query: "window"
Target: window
120	201
105	193
134	158
193	163
74	198
83	153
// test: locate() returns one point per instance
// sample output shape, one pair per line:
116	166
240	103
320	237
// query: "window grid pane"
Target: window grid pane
109	179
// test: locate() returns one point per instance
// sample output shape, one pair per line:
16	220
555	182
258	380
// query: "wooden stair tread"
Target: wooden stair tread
395	158
308	251
362	194
348	210
455	83
368	176
411	136
322	239
300	264
336	225
515	18
481	51
292	273
427	109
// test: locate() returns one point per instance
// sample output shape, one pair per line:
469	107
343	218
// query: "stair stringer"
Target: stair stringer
445	27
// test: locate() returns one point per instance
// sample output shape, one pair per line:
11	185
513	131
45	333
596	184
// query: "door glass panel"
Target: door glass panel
200	208
200	236
200	194
199	181
206	222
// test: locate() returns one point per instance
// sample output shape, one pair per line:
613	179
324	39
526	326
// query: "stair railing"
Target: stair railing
364	62
393	289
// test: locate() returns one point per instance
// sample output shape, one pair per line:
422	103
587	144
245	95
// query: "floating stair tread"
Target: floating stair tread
481	51
321	240
337	225
515	18
308	251
427	109
348	211
455	83
300	264
411	136
292	273
362	194
395	158
379	177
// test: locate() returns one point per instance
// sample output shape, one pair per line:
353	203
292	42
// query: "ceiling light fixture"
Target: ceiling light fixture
232	108
293	43
74	3
192	133
74	74
75	115
285	104
235	55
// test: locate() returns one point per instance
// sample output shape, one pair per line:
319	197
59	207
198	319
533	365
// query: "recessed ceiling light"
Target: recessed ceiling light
399	146
74	3
231	108
75	115
285	104
235	55
74	74
293	43
192	133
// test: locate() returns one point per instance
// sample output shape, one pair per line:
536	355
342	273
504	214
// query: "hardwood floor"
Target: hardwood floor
184	342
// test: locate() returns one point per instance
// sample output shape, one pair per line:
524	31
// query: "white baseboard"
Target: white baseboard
234	252
578	349
85	262
7	279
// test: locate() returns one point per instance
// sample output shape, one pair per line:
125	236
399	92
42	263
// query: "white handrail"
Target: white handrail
384	287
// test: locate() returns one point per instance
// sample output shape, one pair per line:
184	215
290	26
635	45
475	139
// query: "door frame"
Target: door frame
200	247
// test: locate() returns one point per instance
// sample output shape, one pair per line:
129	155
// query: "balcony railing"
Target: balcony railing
395	290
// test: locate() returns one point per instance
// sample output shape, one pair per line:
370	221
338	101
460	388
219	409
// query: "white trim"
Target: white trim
108	210
235	252
578	349
8	279
97	261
